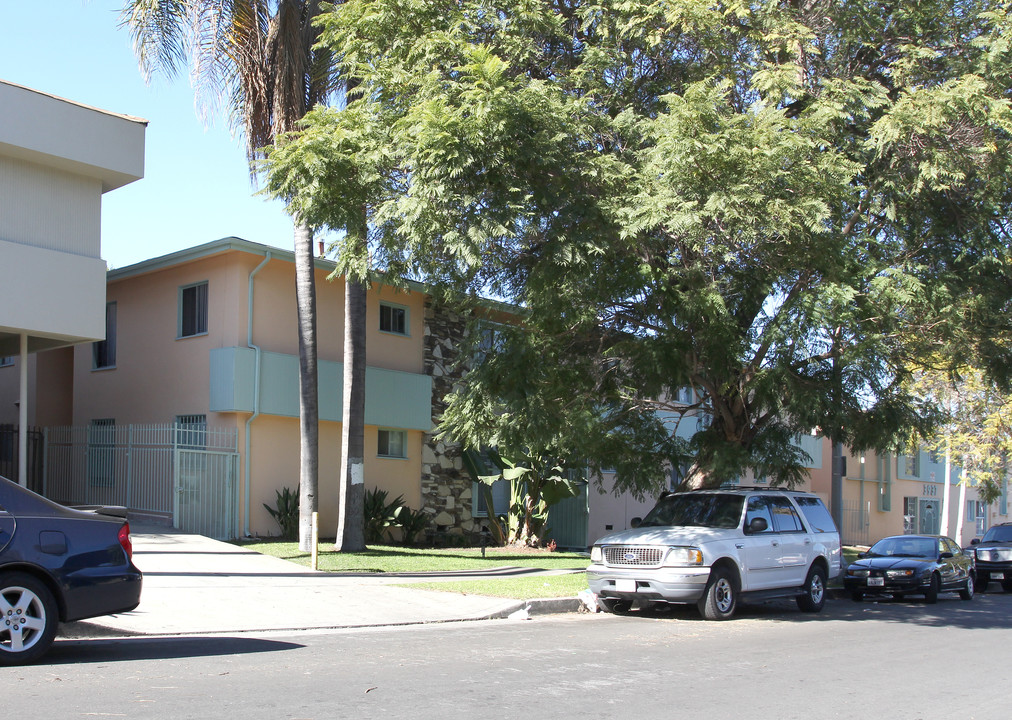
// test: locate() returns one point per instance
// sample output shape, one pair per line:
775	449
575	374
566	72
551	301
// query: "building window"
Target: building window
191	432
909	515
975	513
392	444
193	310
912	464
7	361
499	492
102	452
103	352
393	319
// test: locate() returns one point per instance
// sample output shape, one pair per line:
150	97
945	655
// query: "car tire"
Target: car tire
28	618
966	592
814	596
615	606
931	594
1006	585
982	581
857	596
720	599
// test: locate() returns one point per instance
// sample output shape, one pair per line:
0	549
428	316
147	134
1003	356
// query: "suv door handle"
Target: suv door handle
775	544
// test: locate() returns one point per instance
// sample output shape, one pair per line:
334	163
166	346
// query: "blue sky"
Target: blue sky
196	185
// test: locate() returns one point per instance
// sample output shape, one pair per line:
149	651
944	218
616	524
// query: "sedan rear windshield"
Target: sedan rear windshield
710	510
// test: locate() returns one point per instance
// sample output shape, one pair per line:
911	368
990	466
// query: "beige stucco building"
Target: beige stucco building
57	159
206	339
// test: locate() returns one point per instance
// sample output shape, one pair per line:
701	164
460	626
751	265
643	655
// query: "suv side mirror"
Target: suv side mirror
635	522
975	541
758	525
945	555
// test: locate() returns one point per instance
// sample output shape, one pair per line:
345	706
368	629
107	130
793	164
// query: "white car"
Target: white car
713	548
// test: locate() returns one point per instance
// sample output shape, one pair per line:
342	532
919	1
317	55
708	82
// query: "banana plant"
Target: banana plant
536	483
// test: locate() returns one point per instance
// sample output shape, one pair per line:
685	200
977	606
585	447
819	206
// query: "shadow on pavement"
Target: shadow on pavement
992	610
66	652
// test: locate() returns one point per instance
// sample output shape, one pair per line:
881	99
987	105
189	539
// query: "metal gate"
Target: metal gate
183	472
568	521
205	493
855	523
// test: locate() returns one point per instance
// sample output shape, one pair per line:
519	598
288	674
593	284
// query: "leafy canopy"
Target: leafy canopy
783	206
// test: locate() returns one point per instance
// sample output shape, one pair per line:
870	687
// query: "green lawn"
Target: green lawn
523	588
384	558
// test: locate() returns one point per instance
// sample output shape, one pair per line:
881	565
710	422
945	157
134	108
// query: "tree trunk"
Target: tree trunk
309	404
351	517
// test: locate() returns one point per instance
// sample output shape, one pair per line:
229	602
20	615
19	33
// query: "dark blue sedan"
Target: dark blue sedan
911	565
58	564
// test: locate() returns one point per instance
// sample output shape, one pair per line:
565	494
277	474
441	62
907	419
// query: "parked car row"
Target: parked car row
715	548
58	564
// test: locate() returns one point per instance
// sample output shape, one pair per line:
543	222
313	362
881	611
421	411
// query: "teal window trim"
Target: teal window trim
394	319
885	503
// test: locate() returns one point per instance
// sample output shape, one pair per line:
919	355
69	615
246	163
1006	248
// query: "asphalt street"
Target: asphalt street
874	659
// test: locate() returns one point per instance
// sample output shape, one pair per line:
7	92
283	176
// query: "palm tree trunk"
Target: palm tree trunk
309	404
351	517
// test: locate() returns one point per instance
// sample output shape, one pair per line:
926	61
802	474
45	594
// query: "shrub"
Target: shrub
411	523
380	515
286	512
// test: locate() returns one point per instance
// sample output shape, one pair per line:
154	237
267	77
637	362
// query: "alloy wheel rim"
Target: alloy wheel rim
724	595
22	619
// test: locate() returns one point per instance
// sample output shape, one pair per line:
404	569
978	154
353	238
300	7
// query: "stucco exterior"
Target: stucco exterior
57	158
241	373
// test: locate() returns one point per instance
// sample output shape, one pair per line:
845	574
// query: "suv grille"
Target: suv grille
632	555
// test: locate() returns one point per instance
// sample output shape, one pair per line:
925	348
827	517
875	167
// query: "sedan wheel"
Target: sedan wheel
966	592
28	618
931	594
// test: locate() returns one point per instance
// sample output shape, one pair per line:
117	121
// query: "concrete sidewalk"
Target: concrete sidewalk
195	585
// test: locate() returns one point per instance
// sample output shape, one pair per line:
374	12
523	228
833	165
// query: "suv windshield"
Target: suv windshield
704	510
999	533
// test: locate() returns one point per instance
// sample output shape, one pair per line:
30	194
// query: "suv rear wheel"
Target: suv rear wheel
721	596
814	596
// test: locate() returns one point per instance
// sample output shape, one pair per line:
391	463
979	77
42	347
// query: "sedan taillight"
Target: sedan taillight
124	540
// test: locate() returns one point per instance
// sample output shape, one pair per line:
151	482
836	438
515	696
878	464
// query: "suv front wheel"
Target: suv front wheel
721	596
814	596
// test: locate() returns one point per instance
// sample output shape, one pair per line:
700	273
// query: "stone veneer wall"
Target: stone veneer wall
446	485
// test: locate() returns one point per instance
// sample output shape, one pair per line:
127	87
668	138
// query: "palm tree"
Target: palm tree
259	57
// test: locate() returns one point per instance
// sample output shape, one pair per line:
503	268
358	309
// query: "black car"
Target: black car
58	564
993	555
911	565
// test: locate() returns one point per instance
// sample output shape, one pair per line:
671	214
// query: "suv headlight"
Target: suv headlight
595	554
682	556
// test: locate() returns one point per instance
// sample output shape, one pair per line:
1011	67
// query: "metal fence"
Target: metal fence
186	472
9	455
856	523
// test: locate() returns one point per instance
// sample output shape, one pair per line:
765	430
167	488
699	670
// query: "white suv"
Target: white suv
714	547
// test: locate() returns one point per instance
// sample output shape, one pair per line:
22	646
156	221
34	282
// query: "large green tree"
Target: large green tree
783	206
975	430
259	58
